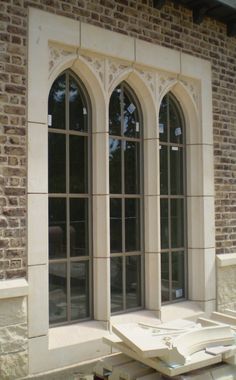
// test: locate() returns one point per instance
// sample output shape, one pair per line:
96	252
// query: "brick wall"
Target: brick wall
171	27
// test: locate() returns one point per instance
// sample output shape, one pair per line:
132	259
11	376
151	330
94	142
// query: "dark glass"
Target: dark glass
130	115
78	164
77	108
56	103
165	283
57	293
177	275
79	227
133	282
116	284
115	225
115	166
57	162
176	170
79	291
176	128
163	120
177	223
132	225
57	228
115	112
132	167
163	169
164	224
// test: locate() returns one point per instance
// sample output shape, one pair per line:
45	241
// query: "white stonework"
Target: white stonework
226	282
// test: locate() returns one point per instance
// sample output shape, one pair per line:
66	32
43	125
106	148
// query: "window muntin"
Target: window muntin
126	201
69	180
172	200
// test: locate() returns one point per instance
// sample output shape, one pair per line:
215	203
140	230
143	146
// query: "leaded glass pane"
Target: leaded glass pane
132	225
176	170
133	282
57	293
165	283
164	224
115	112
163	169
79	245
178	275
57	162
79	276
115	225
78	110
78	164
57	228
116	284
115	166
177	223
130	116
57	104
132	167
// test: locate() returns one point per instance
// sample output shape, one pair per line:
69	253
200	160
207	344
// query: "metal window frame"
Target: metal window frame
123	196
67	195
170	196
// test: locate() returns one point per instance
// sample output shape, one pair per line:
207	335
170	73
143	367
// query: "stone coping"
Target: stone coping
13	288
226	260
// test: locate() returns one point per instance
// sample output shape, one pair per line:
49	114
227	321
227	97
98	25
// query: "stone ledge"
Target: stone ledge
226	260
13	288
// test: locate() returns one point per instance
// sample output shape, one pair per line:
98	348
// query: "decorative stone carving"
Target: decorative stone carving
165	82
115	70
57	54
97	65
149	79
193	90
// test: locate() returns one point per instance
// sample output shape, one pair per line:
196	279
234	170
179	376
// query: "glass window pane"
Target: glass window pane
131	120
57	228
177	223
79	227
178	275
115	166
56	103
115	225
116	284
165	283
163	120
164	224
133	282
132	225
78	164
79	281
78	112
176	170
163	169
132	168
57	293
115	112
176	128
56	163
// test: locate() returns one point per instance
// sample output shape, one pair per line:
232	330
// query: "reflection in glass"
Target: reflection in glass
57	293
57	228
115	166
130	116
176	170
163	169
132	225
78	164
115	112
56	163
163	120
116	284
77	108
56	103
79	280
176	129
165	283
133	282
177	275
79	227
177	223
115	225
132	169
164	224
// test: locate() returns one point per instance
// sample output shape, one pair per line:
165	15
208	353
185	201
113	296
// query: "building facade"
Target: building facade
117	173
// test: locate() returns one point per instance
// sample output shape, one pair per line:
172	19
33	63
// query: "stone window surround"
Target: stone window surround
102	59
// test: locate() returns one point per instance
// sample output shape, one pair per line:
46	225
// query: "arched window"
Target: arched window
69	200
126	199
173	200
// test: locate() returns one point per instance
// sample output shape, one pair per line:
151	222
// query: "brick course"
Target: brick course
171	27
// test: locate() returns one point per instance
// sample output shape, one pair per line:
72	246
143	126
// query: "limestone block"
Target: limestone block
226	286
13	339
13	311
14	366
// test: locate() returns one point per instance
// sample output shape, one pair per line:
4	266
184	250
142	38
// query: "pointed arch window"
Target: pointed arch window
69	190
126	200
172	200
